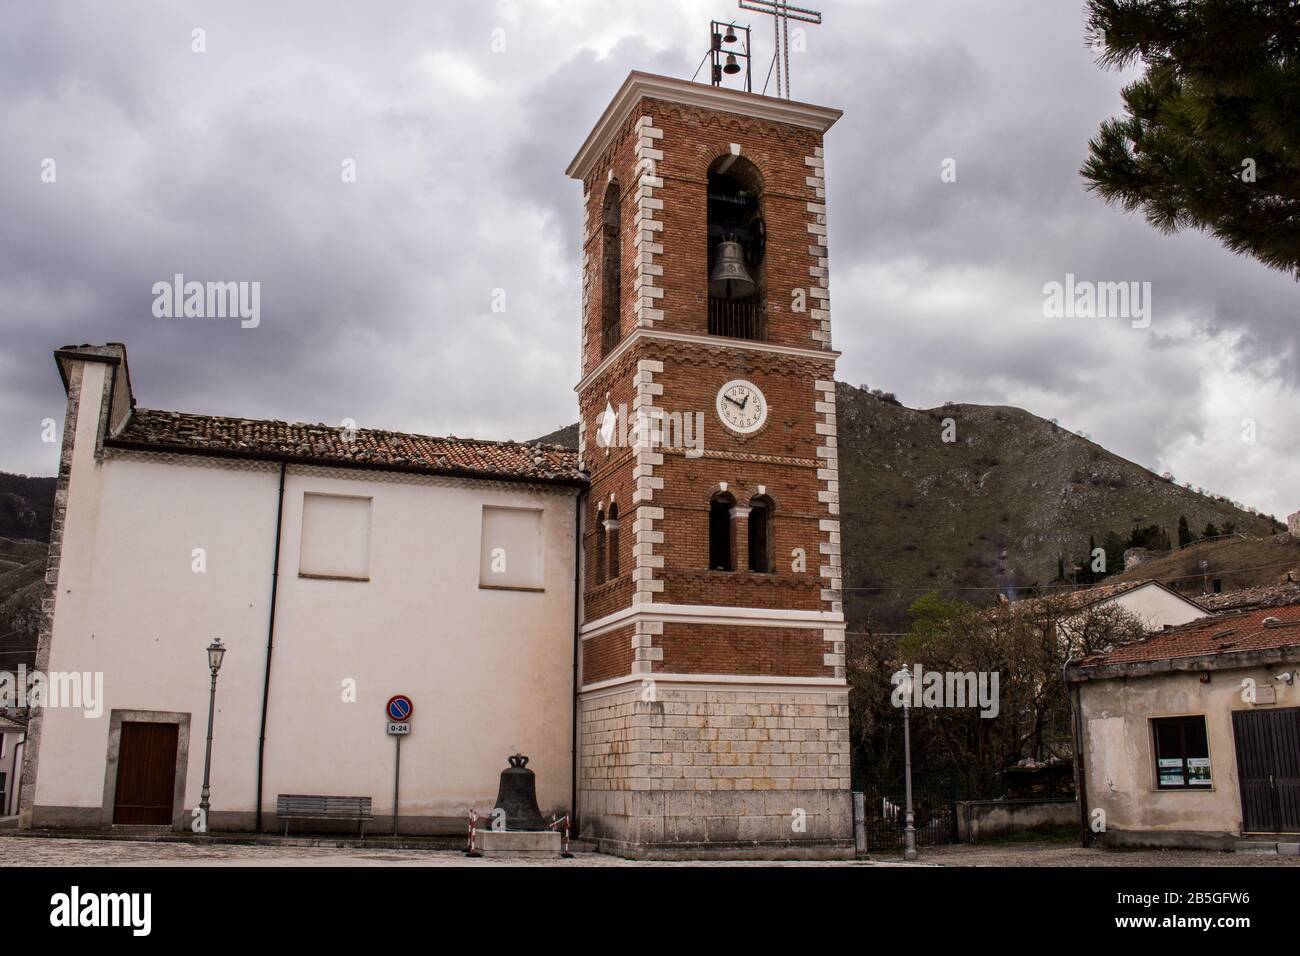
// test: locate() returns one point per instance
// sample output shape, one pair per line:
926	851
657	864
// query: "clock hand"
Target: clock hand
739	405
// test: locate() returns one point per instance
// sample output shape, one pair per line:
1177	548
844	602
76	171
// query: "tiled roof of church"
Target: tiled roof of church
163	431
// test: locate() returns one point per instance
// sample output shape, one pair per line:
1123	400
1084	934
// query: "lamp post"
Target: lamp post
216	651
903	680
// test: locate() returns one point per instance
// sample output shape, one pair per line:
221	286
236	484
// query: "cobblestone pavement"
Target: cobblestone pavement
1065	854
43	851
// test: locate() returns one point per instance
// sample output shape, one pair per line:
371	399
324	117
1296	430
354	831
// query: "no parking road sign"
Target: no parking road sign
399	708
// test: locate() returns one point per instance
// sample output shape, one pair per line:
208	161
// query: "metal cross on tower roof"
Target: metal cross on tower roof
781	13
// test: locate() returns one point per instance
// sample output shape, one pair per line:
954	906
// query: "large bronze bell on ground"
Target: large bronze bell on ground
517	797
730	278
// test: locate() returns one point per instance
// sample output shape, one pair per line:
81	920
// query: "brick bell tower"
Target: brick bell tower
713	709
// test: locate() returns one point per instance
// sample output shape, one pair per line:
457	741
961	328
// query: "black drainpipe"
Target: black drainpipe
577	649
270	643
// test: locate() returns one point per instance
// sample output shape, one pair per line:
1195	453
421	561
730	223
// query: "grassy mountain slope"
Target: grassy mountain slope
26	505
22	586
566	436
993	509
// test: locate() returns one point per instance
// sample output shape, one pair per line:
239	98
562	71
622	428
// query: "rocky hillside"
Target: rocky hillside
22	586
997	507
1230	562
25	506
1001	505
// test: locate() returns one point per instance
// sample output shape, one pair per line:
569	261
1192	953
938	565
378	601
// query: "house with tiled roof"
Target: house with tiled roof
1151	602
1191	737
339	567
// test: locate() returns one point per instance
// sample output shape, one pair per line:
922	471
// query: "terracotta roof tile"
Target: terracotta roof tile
1077	599
367	448
1208	636
1269	595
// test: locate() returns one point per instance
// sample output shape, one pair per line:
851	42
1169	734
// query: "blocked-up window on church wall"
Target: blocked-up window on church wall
335	537
511	549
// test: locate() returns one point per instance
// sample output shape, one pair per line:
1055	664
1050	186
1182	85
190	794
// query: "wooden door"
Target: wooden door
1268	768
146	774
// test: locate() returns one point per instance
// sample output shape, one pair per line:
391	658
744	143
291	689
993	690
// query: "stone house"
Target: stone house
1191	737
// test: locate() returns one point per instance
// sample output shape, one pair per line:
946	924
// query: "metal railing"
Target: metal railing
736	318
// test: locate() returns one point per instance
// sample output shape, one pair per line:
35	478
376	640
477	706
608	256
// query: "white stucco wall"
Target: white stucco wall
1118	747
489	671
1156	607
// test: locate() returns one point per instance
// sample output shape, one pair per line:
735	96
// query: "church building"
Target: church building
655	620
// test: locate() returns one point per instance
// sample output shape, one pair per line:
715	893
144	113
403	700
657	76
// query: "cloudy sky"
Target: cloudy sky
376	295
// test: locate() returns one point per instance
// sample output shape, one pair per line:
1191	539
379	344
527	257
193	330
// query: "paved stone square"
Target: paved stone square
47	851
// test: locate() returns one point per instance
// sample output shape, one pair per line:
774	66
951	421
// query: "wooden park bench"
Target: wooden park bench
296	806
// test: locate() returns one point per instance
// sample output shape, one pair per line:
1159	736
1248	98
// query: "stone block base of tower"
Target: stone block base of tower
681	770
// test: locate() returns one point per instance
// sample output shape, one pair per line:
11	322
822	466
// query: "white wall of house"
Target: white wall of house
489	671
1119	749
1157	607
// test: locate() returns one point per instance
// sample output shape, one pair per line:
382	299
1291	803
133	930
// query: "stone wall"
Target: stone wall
686	765
994	819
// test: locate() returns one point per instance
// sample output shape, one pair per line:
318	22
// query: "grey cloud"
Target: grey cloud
376	295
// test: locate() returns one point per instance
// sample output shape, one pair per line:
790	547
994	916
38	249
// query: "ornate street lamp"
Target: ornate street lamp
216	651
903	681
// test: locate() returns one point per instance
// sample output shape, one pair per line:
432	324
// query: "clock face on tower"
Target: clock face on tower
742	407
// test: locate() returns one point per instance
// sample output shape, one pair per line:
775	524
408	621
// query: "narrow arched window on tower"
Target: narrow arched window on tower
612	527
760	535
600	546
720	547
736	242
611	269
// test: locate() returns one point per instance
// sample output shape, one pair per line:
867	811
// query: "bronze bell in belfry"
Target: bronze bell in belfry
517	797
730	278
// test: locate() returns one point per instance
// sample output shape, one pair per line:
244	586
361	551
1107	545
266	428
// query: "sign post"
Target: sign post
398	710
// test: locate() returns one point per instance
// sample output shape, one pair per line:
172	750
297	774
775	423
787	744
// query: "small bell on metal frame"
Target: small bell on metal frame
731	67
517	796
730	279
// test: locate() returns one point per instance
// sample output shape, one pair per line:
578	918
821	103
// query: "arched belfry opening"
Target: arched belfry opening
611	528
737	241
611	269
721	554
761	513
